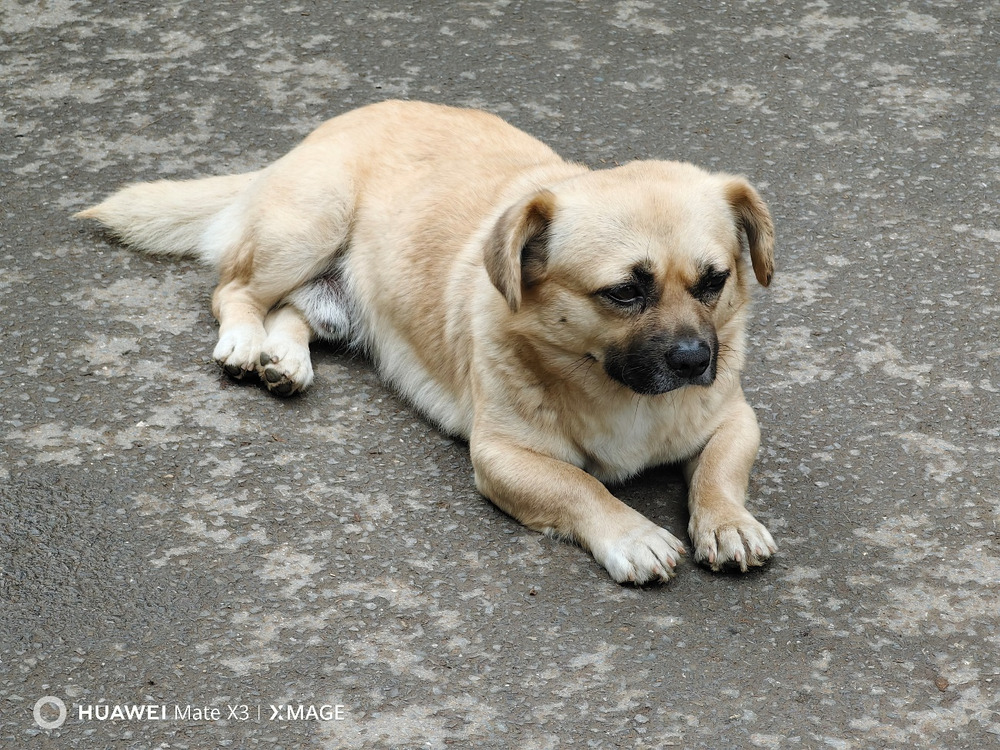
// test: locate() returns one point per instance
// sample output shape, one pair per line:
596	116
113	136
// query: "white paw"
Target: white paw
285	366
734	538
640	553
238	350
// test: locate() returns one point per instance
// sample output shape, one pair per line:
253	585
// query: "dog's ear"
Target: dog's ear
516	252
753	218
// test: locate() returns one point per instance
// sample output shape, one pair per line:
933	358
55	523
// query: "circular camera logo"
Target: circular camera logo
49	703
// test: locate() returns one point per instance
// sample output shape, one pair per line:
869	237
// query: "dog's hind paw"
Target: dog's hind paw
286	373
238	350
740	541
284	364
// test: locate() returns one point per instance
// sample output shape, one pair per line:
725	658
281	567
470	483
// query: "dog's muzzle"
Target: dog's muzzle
664	363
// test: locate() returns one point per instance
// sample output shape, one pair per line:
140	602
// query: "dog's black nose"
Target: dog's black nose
689	358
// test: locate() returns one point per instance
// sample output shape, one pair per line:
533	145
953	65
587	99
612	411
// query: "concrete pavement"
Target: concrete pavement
321	572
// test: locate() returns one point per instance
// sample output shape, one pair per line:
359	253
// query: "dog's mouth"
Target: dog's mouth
662	364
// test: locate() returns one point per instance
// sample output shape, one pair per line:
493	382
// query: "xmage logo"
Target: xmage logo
303	712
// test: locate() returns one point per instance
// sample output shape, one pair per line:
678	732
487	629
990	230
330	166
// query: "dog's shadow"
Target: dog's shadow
660	494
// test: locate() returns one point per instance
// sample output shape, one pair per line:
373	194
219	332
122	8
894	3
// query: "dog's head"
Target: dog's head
639	268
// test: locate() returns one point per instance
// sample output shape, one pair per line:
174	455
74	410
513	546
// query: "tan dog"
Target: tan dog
572	325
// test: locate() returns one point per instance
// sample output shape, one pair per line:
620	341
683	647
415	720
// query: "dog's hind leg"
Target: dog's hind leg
285	366
240	310
290	230
275	341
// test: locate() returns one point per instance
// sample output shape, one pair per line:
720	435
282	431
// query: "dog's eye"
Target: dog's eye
625	295
710	284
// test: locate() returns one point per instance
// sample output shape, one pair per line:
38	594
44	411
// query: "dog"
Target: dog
575	326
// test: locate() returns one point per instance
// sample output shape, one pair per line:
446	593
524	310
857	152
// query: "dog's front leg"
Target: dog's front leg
557	498
722	530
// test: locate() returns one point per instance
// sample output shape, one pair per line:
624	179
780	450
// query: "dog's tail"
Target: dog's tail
198	218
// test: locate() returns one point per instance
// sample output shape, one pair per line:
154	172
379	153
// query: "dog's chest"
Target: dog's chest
649	432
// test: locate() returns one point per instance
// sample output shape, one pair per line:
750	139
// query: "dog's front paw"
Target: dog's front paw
285	368
640	553
238	350
735	539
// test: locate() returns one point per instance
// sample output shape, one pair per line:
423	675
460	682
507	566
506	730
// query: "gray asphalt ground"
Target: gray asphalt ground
172	539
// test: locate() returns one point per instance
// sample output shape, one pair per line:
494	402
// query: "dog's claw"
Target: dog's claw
739	542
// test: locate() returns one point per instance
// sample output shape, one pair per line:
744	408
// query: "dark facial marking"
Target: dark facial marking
635	294
710	284
664	362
